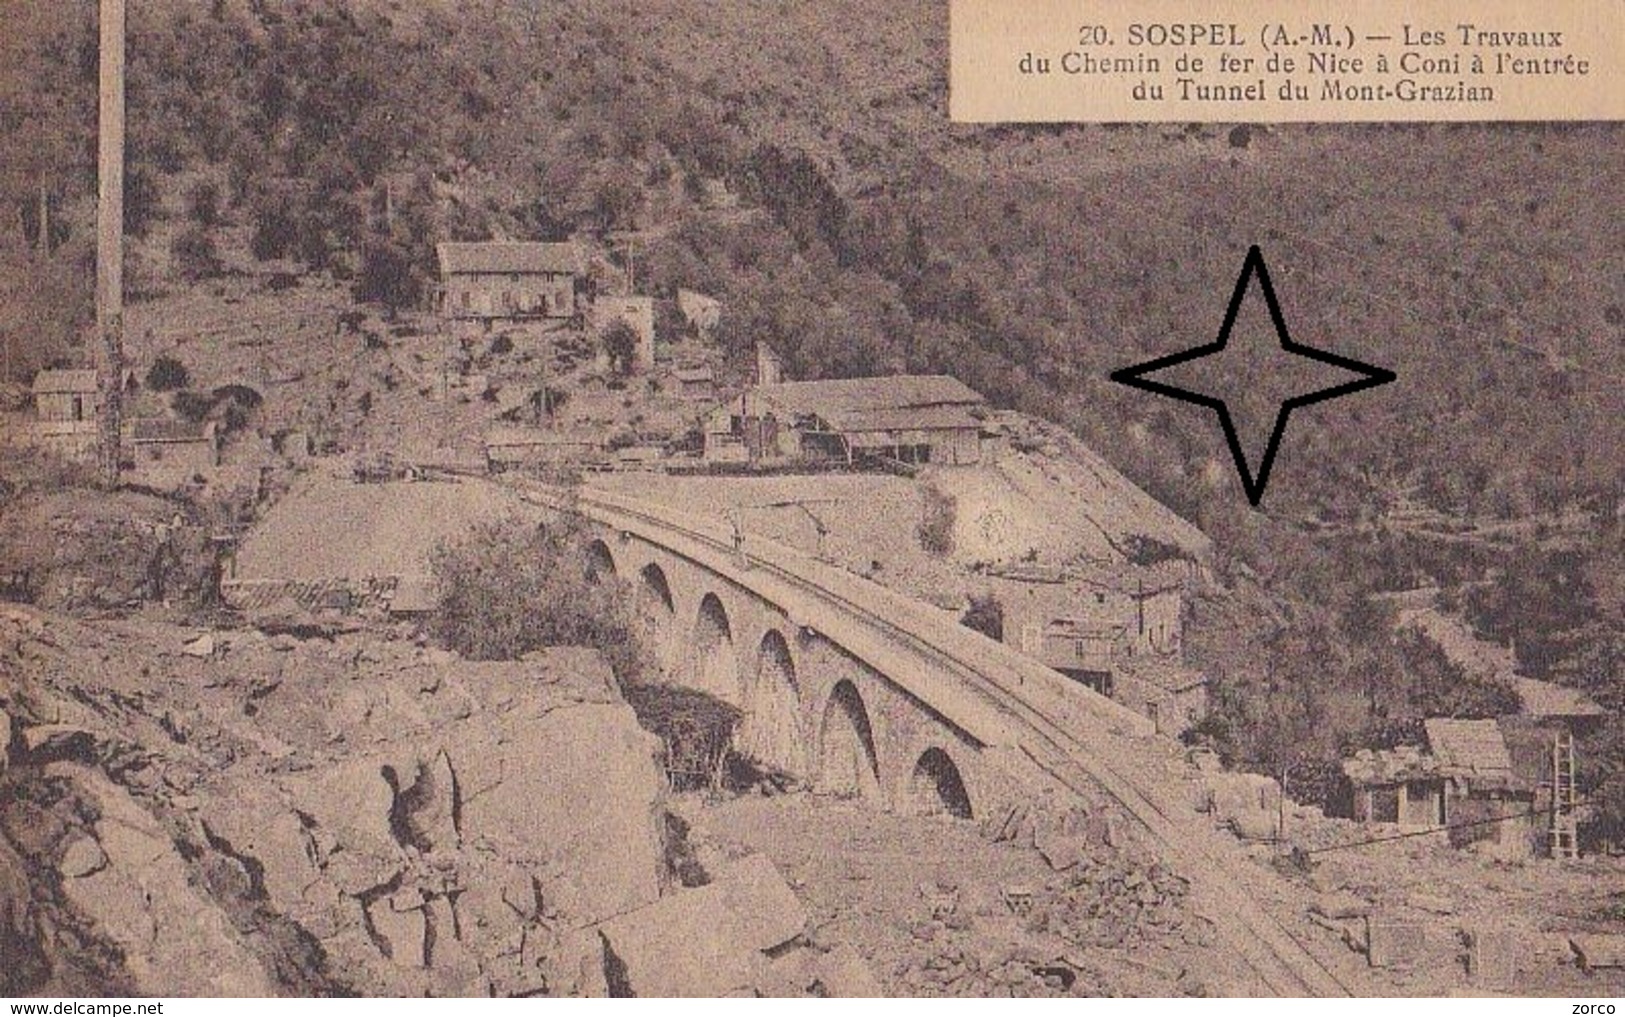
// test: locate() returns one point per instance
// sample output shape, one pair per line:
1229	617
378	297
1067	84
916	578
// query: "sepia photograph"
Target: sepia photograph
811	498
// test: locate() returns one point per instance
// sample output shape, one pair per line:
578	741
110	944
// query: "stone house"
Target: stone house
67	407
484	284
1462	781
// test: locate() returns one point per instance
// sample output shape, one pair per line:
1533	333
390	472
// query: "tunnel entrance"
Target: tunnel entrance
935	787
847	762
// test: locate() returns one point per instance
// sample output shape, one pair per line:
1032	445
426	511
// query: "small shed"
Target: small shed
1488	802
1403	785
67	408
66	396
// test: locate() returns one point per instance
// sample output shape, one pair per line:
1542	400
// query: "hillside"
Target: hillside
796	163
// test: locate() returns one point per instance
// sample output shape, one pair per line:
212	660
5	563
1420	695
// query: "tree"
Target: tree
389	276
985	614
204	199
167	375
621	344
935	530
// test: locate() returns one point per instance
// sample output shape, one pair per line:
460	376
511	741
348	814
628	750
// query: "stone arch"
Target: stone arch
847	764
654	593
715	666
657	608
936	788
600	561
771	732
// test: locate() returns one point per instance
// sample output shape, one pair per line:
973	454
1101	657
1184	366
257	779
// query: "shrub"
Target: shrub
621	343
194	255
276	233
985	615
936	528
511	587
167	374
205	201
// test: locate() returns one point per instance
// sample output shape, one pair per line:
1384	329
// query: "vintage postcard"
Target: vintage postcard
924	498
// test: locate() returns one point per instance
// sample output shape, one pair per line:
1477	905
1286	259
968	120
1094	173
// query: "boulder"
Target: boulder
844	973
682	946
82	858
764	910
427	806
575	791
708	941
352	801
176	941
254	823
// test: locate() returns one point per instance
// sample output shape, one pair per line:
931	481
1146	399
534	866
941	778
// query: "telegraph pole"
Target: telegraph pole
110	235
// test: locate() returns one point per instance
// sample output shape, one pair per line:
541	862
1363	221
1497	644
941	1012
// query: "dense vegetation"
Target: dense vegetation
867	237
509	588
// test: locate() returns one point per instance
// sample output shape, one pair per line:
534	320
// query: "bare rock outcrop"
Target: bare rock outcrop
316	815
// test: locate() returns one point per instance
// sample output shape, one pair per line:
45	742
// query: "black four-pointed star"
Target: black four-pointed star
1370	376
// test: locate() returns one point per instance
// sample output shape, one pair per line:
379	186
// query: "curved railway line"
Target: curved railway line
1082	741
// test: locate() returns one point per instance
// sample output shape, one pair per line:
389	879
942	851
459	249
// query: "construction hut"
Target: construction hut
697	383
1462	779
1402	785
913	419
1486	803
67	407
521	448
1541	739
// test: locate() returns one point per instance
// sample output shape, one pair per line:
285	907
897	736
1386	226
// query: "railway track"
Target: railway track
1085	750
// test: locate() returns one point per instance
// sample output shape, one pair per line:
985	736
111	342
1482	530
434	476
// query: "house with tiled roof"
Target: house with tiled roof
503	281
914	419
1461	782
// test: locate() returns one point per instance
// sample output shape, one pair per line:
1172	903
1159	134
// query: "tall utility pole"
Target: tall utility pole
110	235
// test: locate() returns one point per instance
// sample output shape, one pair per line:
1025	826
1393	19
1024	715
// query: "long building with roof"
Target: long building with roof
508	281
913	419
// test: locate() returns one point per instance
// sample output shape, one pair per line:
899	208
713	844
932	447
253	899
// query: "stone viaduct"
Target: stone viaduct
862	691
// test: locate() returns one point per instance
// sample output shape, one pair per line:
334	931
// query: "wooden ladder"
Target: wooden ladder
1563	799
